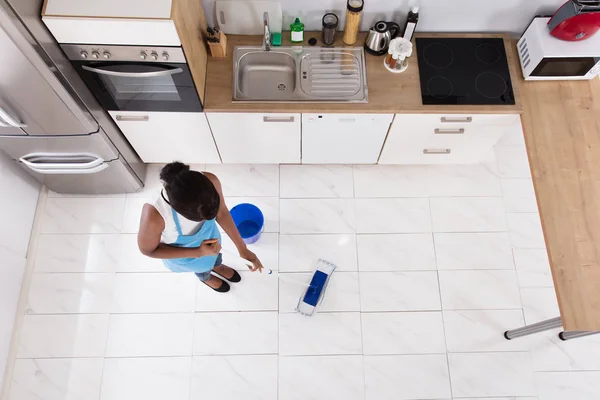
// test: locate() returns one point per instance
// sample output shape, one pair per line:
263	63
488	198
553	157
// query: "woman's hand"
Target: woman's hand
209	247
250	256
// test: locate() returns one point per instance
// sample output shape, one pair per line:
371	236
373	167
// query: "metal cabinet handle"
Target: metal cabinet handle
451	119
437	151
278	119
152	74
7	120
449	131
132	118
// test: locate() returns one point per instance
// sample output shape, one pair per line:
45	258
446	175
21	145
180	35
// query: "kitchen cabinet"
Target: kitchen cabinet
257	138
444	139
343	138
162	137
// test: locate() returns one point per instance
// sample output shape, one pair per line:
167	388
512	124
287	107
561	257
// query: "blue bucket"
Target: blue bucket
249	220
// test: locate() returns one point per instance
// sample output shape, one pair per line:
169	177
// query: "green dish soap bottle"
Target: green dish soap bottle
297	31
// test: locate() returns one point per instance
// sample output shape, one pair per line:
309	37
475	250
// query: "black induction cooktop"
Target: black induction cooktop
464	71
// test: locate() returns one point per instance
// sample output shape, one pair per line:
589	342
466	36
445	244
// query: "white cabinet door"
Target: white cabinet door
162	137
343	138
422	139
257	138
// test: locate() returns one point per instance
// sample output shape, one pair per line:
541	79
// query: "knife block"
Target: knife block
219	50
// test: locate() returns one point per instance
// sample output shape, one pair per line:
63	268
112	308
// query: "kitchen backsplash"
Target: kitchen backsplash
435	15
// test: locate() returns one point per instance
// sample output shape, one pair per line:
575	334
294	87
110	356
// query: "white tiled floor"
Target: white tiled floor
434	263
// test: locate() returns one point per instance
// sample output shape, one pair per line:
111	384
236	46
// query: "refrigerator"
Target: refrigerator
50	123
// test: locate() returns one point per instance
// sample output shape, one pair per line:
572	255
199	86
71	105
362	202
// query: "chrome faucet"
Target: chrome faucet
267	38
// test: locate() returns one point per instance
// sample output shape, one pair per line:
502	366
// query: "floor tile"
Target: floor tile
133	213
491	374
479	290
321	334
482	330
549	353
512	161
539	304
269	206
496	398
526	230
316	181
56	379
235	333
321	377
468	214
473	251
266	249
407	377
391	181
256	292
568	385
299	253
393	216
247	179
143	335
82	215
146	378
70	293
342	292
399	291
234	378
463	180
152	184
317	216
403	333
402	252
154	292
44	336
92	253
533	268
519	195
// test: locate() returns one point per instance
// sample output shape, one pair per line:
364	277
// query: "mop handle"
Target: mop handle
243	260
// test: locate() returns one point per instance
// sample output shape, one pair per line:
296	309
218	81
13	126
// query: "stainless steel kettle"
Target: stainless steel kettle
378	38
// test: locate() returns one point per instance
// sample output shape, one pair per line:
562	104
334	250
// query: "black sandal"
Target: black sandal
235	278
224	288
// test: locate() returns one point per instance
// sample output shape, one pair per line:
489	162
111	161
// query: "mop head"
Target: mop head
314	294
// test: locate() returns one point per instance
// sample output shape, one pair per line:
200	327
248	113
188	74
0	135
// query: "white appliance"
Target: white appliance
544	57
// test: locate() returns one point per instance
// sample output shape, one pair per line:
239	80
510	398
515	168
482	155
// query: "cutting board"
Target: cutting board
246	17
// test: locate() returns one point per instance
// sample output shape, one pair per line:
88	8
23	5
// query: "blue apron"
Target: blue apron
202	264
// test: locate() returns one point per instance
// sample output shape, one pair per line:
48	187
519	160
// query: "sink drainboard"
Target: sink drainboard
330	74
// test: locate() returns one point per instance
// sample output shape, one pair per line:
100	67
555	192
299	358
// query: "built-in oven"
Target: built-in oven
136	78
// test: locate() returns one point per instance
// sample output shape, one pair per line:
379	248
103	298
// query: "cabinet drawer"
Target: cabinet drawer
437	154
455	120
436	133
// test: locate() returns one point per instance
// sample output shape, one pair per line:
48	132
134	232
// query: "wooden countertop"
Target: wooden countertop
561	122
388	93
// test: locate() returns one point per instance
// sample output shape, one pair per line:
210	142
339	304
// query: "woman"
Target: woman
181	227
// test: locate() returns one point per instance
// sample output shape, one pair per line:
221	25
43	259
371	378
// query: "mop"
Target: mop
315	293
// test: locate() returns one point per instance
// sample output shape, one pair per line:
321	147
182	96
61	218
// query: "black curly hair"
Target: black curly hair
190	193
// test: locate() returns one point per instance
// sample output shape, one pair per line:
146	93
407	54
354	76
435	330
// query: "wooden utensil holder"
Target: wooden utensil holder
219	50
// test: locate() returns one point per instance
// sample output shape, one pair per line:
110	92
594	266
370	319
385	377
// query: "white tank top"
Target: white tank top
170	234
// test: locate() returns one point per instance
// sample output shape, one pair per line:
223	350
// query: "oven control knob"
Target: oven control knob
143	55
165	56
83	54
95	54
106	55
154	56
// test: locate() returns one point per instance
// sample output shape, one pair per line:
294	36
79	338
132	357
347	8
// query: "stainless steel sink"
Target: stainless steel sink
290	74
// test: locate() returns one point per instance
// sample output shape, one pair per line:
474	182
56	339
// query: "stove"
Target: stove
464	71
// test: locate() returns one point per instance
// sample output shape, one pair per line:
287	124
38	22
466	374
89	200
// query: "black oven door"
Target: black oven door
138	86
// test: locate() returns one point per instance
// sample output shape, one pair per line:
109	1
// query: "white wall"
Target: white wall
435	15
19	194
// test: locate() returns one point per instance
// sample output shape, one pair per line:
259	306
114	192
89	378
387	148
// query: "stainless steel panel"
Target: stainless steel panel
117	177
99	52
30	91
97	144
